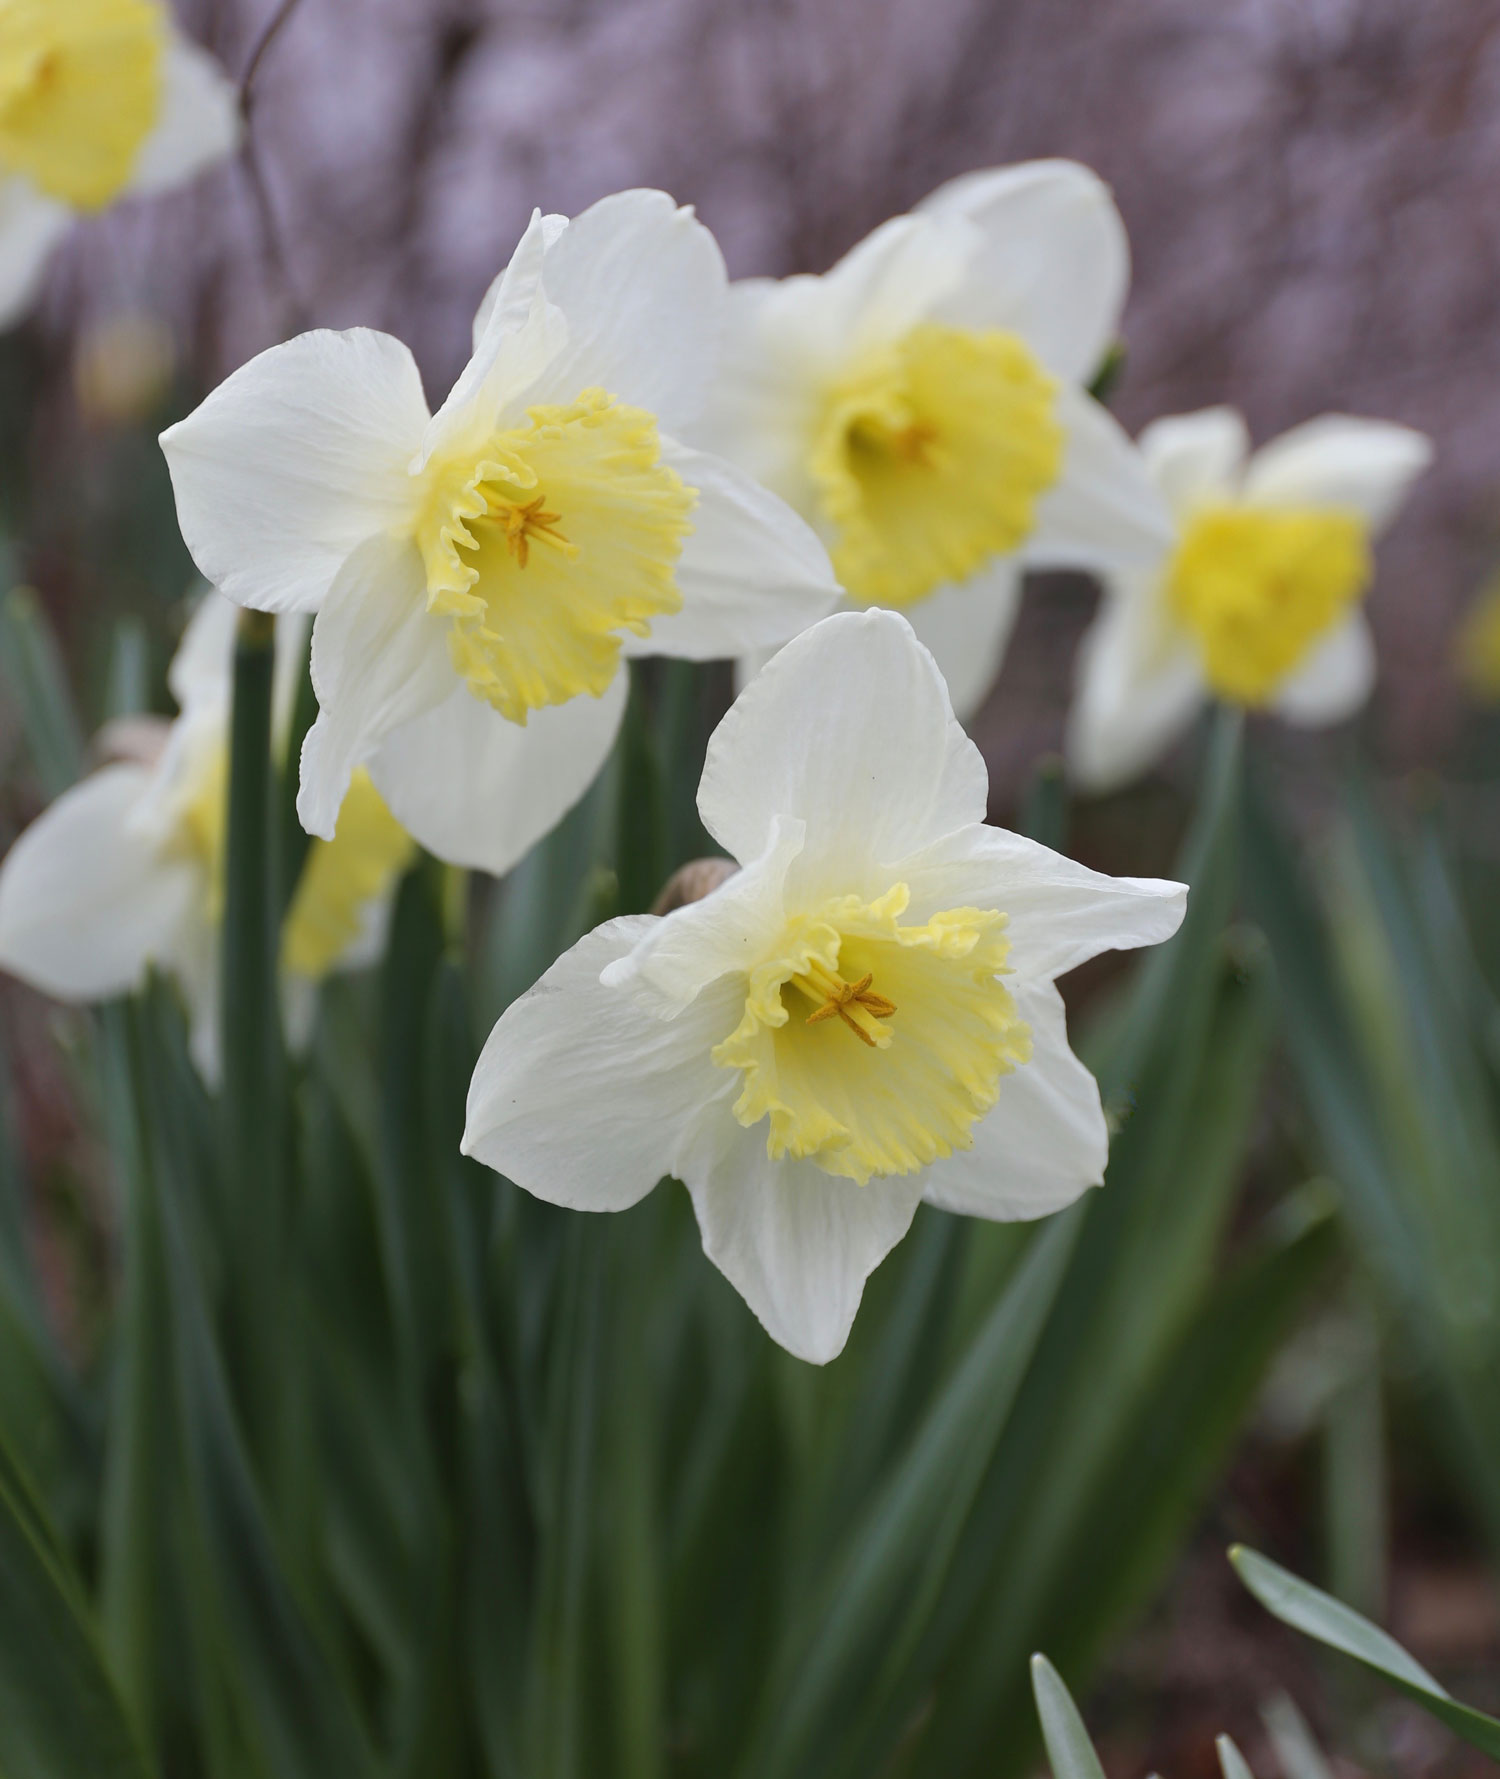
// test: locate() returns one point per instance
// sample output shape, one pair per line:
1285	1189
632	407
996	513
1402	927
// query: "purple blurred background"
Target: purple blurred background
1308	184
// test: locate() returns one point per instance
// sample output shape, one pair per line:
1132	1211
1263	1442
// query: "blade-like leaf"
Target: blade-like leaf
59	1712
1232	1764
33	673
1308	1609
1068	1745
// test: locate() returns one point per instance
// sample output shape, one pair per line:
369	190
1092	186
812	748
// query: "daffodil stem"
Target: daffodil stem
253	1104
293	839
641	859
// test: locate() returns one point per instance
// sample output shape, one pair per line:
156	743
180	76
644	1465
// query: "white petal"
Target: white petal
751	572
1139	686
199	122
967	629
378	661
582	1097
507	302
479	790
1061	913
764	404
1104	512
1335	679
1365	465
899	275
849	729
796	1243
195	967
294	460
1195	458
642	285
86	898
202	668
1045	1140
31	225
729	930
1054	265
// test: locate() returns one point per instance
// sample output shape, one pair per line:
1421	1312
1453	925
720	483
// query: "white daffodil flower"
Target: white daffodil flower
98	99
1256	600
126	869
862	1017
480	575
924	405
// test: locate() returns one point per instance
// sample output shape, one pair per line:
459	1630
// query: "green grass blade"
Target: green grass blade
1232	1764
59	1711
1308	1609
32	669
1068	1746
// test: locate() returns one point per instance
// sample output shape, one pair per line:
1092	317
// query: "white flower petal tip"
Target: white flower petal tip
294	461
87	896
1362	466
1055	265
863	1014
31	226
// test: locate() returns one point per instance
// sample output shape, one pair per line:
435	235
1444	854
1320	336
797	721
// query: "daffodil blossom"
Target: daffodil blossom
863	1016
126	869
924	405
480	575
98	99
1257	600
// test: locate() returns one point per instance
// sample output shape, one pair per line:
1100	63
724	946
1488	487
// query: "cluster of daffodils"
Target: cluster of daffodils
837	482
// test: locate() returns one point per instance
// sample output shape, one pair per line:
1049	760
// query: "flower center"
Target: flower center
910	1091
1259	586
930	457
80	91
340	880
565	534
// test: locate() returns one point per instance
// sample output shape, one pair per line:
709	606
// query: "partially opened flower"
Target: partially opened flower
862	1017
480	575
924	405
126	869
98	99
1258	600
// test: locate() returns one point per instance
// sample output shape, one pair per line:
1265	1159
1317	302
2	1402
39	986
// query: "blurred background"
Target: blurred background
1309	188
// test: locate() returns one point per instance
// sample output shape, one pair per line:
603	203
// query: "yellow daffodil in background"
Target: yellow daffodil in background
923	404
98	99
126	869
862	1017
1476	648
479	576
1258	600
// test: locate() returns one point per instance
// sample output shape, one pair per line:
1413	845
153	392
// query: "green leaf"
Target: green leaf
32	669
1308	1609
59	1711
1068	1745
1232	1764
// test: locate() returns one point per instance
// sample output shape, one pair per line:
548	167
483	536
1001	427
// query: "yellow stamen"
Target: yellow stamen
930	457
1259	586
907	1093
80	91
532	627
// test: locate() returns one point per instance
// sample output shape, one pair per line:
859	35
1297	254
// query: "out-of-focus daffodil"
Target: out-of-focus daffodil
1258	600
1476	649
862	1017
98	99
480	575
126	869
923	404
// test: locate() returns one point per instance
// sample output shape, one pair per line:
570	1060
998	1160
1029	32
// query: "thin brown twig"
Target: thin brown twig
293	311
